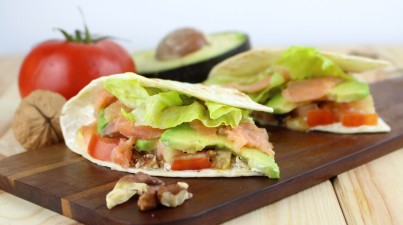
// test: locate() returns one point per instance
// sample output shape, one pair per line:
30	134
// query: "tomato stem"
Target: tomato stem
65	34
80	37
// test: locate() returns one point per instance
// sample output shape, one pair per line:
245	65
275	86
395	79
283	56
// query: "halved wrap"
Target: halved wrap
166	128
308	89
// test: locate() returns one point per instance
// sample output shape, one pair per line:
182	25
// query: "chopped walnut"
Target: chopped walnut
174	195
152	191
149	199
146	161
128	186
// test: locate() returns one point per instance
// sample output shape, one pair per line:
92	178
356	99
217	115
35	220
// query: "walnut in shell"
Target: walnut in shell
36	121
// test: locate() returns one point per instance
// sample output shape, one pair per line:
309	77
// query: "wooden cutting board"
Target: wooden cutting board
64	182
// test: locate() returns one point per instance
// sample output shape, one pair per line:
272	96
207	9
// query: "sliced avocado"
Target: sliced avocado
146	145
280	105
261	162
349	91
195	66
184	138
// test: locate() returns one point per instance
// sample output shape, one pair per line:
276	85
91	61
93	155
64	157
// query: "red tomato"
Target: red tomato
355	120
196	161
66	66
320	117
101	147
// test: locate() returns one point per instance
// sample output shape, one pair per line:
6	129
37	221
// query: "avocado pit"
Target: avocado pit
180	43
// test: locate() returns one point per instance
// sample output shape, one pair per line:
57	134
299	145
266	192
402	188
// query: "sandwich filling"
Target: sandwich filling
307	91
153	128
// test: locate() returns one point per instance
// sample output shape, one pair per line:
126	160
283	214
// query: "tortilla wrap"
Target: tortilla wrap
257	60
79	111
253	62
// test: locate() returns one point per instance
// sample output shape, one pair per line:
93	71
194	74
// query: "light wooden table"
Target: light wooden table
369	194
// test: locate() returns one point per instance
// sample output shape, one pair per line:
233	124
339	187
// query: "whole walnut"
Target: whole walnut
36	121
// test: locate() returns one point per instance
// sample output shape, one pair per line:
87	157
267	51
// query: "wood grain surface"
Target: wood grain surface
58	179
373	191
315	205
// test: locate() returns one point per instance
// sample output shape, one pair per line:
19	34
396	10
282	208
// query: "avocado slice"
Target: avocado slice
349	91
261	162
185	138
146	145
280	105
193	68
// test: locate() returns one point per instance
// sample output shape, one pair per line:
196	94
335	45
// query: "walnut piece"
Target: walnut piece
128	186
149	199
36	121
174	195
152	191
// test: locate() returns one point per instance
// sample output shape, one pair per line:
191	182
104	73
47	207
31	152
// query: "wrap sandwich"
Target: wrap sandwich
167	128
308	89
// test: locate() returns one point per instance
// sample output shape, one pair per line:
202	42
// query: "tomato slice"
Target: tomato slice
196	161
101	147
356	119
320	117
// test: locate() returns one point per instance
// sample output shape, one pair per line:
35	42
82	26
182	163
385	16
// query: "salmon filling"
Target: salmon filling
121	141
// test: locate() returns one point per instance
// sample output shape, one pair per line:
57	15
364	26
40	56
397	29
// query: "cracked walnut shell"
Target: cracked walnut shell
36	121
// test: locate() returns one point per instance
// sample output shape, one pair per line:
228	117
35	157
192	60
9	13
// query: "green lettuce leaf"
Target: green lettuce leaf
304	62
166	109
276	82
101	122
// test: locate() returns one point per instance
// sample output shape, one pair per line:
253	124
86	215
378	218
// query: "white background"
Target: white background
24	23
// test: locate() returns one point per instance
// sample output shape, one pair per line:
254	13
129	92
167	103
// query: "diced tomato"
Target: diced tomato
196	161
101	147
355	120
320	117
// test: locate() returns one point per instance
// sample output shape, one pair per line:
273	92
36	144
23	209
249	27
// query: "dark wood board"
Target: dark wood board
64	182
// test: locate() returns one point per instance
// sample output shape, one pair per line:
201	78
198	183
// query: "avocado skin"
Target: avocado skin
198	72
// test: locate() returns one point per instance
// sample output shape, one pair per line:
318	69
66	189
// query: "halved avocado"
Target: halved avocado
194	67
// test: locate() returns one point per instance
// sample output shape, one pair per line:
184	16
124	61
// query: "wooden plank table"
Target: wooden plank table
369	194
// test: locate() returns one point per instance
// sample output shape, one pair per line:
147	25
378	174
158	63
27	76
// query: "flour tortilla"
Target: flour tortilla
79	111
258	60
339	128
